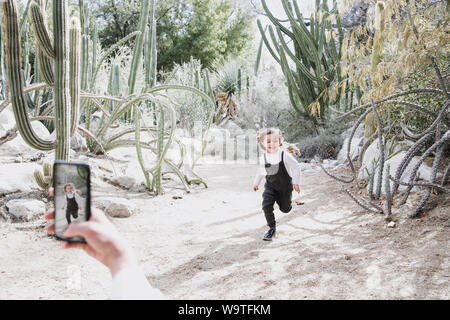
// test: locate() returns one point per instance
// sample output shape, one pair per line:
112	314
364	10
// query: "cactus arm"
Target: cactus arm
266	42
426	196
297	62
61	87
24	15
157	175
40	179
40	30
75	80
44	62
275	21
393	96
94	52
381	149
446	175
84	61
387	191
258	54
15	78
137	123
137	52
437	144
108	53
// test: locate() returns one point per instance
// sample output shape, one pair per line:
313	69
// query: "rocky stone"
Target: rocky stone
17	177
356	14
77	142
391	224
126	182
355	149
178	195
25	209
117	207
371	156
7	120
18	145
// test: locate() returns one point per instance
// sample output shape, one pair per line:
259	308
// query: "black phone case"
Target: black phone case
88	199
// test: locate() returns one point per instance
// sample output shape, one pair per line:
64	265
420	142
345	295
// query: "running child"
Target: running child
282	173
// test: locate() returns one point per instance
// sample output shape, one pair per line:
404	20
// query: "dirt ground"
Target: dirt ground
208	245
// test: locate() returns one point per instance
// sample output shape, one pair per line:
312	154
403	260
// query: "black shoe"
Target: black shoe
269	234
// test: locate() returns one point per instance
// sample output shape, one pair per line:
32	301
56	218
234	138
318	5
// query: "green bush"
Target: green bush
323	146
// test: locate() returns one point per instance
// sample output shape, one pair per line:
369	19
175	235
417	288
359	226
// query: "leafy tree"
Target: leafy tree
207	30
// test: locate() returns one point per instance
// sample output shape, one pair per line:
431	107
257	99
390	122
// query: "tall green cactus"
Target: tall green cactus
75	77
316	58
61	87
15	78
59	77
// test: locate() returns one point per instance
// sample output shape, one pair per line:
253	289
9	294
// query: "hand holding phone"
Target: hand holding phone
102	240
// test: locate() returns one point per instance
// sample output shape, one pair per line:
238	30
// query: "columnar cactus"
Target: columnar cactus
15	78
316	58
75	77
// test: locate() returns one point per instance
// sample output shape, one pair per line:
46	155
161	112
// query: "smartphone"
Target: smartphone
72	196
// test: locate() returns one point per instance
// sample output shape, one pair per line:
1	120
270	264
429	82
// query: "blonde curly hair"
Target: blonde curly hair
262	133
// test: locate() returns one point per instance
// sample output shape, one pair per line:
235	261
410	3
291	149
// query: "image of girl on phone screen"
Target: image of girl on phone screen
73	202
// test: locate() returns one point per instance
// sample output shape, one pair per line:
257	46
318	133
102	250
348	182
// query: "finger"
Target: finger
69	245
51	191
50	228
78	229
50	214
98	215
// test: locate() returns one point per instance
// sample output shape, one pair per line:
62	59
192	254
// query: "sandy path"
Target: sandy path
208	246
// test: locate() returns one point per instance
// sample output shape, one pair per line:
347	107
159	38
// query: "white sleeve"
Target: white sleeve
260	173
79	199
130	283
293	168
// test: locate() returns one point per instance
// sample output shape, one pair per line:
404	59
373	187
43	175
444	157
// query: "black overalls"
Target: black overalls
72	208
278	188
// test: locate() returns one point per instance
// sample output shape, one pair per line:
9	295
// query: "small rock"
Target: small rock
178	195
125	182
18	159
118	207
25	209
391	224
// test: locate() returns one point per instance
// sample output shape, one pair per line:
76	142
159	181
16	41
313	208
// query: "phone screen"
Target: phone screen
71	182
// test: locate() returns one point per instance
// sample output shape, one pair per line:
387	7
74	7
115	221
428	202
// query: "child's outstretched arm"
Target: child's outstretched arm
260	174
294	167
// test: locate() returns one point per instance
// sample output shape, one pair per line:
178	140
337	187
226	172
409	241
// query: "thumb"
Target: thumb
78	229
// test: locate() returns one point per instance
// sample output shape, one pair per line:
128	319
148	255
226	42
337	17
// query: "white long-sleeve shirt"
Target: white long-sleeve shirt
292	166
79	199
130	283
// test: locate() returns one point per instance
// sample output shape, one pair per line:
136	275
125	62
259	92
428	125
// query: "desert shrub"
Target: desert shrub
189	107
323	146
263	100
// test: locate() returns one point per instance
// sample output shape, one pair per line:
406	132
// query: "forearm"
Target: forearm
257	180
130	283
